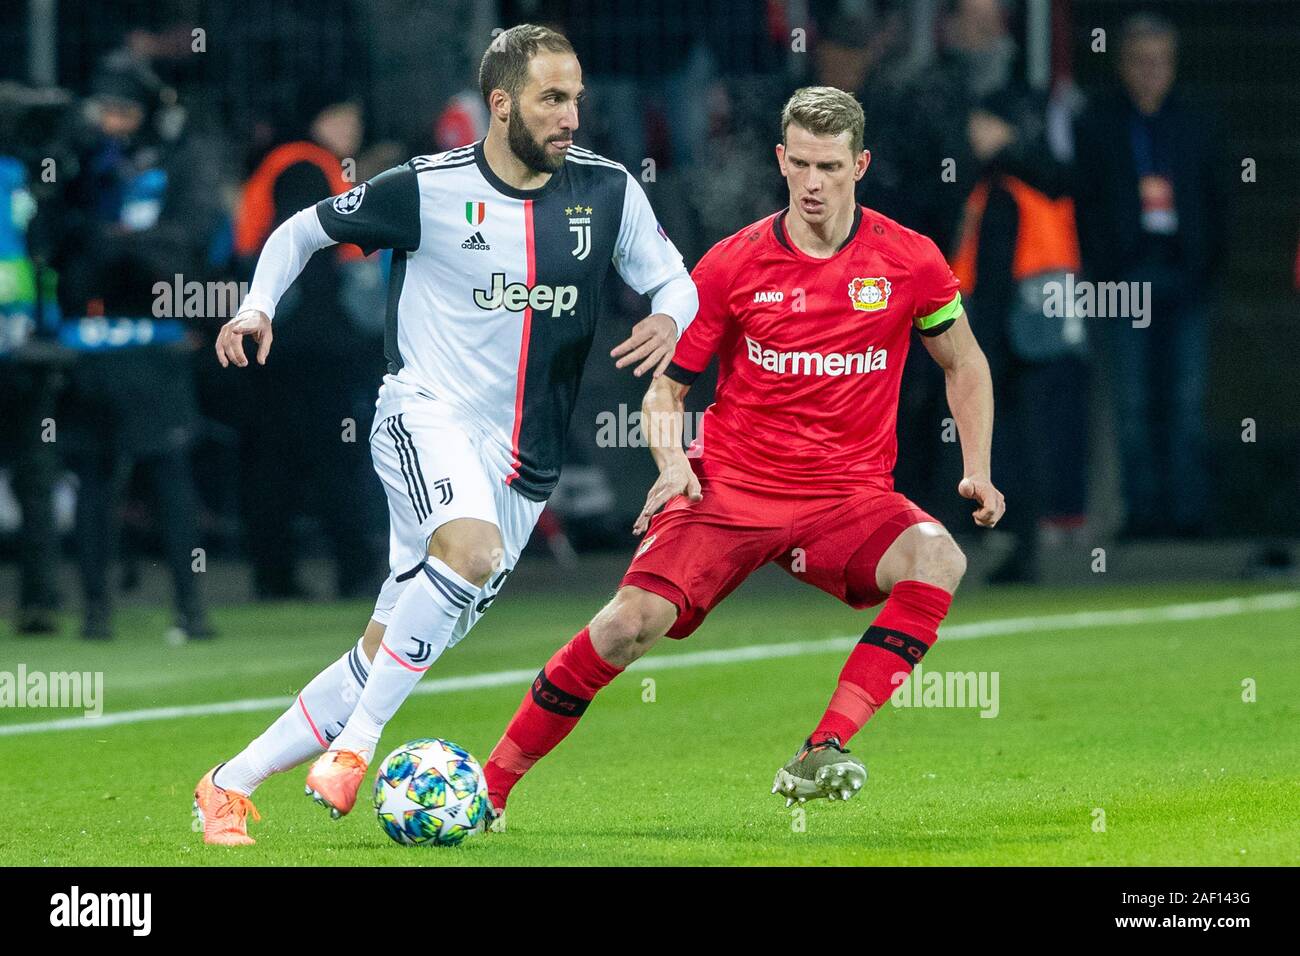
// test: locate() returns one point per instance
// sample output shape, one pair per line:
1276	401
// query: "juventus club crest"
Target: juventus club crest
580	226
443	487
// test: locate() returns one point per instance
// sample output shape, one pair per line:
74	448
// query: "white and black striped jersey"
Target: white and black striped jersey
495	291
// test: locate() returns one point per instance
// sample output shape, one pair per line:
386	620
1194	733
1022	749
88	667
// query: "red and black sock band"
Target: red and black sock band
548	696
905	646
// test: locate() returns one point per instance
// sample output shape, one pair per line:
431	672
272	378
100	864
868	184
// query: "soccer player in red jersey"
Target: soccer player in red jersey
810	313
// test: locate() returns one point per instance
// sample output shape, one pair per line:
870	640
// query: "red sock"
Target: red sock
904	630
559	696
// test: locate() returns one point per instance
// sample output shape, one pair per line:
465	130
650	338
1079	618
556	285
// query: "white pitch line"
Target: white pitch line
1079	620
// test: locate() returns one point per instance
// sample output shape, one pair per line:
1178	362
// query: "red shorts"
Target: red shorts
694	555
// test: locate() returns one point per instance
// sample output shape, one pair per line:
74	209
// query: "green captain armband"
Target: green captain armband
938	321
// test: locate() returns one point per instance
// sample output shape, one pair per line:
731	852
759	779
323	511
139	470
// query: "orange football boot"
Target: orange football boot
335	778
223	813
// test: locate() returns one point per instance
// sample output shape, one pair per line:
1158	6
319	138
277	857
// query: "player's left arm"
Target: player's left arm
663	411
649	262
970	398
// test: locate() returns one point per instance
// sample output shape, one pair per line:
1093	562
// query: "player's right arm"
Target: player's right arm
663	411
383	213
663	408
283	257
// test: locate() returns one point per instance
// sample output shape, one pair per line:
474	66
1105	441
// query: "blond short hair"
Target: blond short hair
825	111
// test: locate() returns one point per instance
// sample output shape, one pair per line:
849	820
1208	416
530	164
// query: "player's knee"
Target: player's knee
939	561
475	565
630	625
475	556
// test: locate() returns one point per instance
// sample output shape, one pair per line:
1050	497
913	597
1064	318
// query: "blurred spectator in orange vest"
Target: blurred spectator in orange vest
1016	242
316	384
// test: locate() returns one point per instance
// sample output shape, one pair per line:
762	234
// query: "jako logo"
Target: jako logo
815	363
769	296
103	909
516	297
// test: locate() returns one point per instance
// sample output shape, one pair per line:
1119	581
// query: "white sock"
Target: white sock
418	632
305	729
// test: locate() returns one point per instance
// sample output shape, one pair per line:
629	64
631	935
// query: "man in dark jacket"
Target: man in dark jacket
138	212
1150	204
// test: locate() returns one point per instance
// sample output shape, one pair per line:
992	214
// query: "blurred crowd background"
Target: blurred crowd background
159	141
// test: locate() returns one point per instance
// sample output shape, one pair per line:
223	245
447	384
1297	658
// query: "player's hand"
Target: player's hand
651	343
991	502
676	479
230	340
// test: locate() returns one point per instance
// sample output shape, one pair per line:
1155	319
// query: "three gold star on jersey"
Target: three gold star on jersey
476	212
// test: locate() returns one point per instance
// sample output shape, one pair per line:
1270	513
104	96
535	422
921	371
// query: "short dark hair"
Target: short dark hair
1142	26
505	62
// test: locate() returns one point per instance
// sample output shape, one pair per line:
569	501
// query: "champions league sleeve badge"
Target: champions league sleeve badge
350	201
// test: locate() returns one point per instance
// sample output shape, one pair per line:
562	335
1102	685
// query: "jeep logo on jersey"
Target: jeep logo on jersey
815	363
517	296
350	201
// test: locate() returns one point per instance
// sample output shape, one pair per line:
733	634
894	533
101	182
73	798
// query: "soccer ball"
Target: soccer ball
430	792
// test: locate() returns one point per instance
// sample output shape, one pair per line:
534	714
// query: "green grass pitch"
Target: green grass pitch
1146	724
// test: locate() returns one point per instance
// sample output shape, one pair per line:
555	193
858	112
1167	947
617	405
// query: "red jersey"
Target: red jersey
810	352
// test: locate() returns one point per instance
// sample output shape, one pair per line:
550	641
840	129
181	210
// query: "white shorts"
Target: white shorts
433	471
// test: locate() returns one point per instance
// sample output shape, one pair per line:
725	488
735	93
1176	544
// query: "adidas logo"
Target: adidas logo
476	241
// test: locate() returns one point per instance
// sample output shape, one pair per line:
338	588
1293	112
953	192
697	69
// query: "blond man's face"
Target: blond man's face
821	172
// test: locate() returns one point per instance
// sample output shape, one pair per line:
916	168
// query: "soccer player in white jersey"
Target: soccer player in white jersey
500	251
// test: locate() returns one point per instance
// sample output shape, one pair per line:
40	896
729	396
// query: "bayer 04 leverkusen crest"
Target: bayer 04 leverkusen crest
870	295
